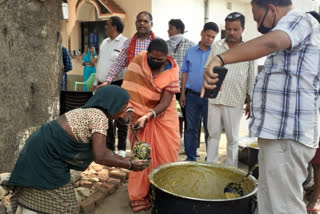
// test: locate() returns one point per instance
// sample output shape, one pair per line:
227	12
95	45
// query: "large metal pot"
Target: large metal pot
253	159
197	188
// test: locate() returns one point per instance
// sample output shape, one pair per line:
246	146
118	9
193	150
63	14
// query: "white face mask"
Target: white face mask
175	40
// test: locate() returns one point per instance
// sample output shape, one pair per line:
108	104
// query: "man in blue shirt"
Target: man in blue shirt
191	83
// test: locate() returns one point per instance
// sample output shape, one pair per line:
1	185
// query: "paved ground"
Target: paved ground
118	203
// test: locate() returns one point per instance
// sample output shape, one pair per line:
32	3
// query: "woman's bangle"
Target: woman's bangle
147	116
221	59
153	113
130	110
130	165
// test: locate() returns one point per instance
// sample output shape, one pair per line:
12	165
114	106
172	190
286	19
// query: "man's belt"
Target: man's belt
192	92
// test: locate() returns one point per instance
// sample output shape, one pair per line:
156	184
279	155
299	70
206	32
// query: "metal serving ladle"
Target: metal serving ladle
134	133
234	190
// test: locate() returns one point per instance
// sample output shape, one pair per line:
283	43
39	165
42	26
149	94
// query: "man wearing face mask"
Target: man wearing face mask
178	46
284	106
191	82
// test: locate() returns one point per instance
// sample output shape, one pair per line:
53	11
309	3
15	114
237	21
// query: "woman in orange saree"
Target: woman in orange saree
152	81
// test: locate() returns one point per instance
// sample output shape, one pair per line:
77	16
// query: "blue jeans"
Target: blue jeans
196	109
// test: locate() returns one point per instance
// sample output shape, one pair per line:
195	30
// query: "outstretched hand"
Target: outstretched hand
209	78
139	165
103	84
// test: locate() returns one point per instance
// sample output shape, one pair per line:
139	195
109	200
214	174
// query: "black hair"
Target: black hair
146	13
158	45
91	45
235	16
264	3
315	15
211	26
177	23
116	21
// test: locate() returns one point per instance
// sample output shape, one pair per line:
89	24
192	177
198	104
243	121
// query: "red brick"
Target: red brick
76	184
118	175
97	197
87	206
102	189
111	187
126	171
115	181
85	183
96	167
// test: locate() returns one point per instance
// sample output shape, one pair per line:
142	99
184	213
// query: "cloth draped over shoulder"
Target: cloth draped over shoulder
162	132
132	47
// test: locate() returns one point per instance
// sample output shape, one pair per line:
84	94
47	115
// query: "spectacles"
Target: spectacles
234	16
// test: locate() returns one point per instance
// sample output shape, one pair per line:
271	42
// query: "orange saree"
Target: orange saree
162	132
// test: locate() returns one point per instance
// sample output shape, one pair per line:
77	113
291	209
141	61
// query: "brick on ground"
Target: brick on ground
111	187
96	167
83	191
86	183
114	181
118	174
126	171
97	197
87	206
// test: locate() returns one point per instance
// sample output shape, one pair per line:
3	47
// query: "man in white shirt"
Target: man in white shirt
226	109
109	51
284	110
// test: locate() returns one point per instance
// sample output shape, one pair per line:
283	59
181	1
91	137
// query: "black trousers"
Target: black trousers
122	130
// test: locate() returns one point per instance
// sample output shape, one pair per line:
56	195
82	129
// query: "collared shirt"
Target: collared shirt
109	51
180	51
120	64
238	82
193	64
285	95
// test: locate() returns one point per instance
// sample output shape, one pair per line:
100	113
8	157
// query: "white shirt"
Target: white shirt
109	51
285	95
238	82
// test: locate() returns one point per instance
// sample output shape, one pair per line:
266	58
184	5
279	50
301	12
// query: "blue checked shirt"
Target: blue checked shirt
67	66
285	94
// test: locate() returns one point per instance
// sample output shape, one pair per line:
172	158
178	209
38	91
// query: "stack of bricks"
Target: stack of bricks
91	187
96	183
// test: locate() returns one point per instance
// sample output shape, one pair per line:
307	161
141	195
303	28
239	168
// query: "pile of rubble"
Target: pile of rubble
91	187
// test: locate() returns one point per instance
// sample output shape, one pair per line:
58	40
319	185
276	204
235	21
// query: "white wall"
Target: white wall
218	12
191	12
306	5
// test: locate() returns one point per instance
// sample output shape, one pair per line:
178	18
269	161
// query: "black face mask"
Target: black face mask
153	64
262	29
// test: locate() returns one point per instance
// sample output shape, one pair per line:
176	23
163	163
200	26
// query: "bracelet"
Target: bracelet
221	59
130	165
130	110
154	113
146	115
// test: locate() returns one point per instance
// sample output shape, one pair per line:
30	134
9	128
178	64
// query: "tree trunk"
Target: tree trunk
30	65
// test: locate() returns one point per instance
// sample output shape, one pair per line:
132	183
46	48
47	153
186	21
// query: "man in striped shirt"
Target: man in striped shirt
284	106
133	46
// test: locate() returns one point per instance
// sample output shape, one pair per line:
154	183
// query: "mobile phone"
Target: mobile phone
213	93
